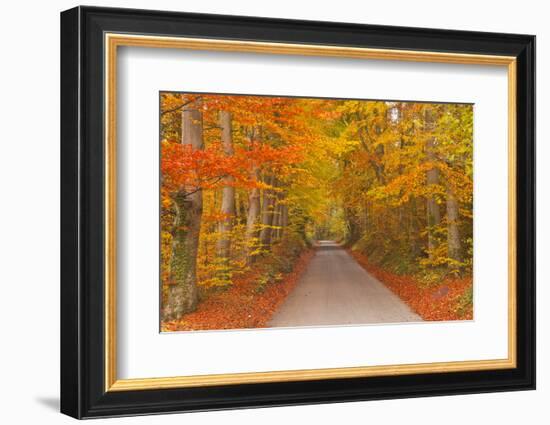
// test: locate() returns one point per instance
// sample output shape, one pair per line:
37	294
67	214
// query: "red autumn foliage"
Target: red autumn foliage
242	306
436	303
185	166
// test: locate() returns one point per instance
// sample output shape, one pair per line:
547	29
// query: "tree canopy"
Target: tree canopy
261	178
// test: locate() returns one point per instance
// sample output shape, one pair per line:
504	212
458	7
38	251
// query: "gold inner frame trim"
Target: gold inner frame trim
113	41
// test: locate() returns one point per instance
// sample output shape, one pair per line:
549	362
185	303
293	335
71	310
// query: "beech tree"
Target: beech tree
228	192
432	181
187	201
253	201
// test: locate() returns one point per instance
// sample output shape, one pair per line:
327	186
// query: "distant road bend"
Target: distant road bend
335	290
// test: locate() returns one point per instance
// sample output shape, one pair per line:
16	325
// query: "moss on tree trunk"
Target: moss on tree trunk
182	295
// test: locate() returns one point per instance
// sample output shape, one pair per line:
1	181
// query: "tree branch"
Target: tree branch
183	105
199	188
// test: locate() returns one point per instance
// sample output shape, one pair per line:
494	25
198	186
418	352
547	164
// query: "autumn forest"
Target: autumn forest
287	211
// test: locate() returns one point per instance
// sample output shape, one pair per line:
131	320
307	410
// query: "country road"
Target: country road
335	290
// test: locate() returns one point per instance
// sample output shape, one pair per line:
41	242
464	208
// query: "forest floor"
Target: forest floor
450	299
243	305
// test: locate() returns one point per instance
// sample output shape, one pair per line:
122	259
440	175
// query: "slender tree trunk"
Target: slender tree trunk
453	234
280	213
284	219
413	230
228	193
432	179
365	218
182	293
277	211
240	208
268	204
253	210
353	227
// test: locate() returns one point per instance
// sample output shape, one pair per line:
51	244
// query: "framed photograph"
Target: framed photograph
261	212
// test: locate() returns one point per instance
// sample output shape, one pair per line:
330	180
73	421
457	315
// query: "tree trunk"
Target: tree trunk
277	211
432	179
413	230
453	234
228	193
268	204
353	227
284	220
253	211
365	218
240	208
182	292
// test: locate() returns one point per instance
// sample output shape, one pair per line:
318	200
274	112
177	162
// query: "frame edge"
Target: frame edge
526	217
71	350
80	399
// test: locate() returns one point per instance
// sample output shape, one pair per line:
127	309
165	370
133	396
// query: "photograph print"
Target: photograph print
299	212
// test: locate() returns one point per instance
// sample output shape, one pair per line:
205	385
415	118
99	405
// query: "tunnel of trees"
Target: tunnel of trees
251	182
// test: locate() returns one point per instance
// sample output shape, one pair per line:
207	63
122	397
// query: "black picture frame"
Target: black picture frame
82	212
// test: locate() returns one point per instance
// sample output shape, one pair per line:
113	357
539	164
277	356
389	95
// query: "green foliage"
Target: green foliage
465	302
281	260
397	259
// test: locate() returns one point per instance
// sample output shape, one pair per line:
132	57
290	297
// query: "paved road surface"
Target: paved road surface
336	290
